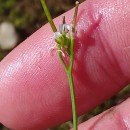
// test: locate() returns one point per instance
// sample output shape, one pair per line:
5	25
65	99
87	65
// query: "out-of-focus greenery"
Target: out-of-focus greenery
6	5
27	16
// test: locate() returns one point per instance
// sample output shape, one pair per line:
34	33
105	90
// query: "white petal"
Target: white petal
57	35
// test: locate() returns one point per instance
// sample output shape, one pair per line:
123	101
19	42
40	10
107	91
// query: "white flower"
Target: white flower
64	29
57	35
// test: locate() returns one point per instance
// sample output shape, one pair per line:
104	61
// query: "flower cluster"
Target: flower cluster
64	36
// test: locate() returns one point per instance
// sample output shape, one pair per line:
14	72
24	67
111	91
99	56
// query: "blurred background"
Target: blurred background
19	19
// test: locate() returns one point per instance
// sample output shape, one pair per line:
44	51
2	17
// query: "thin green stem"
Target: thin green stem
48	15
71	83
68	68
73	100
70	76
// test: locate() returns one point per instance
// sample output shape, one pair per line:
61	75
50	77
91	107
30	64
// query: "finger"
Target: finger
116	118
33	85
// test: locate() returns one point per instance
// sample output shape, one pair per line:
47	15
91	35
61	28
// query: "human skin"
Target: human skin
34	90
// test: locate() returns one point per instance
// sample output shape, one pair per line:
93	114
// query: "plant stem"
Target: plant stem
48	15
71	83
73	100
69	68
72	91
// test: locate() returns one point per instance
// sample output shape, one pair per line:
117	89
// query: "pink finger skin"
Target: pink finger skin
116	118
34	90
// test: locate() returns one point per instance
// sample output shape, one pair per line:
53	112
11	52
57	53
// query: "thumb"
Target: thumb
33	84
116	118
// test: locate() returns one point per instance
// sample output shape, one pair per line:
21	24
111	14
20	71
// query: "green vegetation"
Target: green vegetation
23	14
